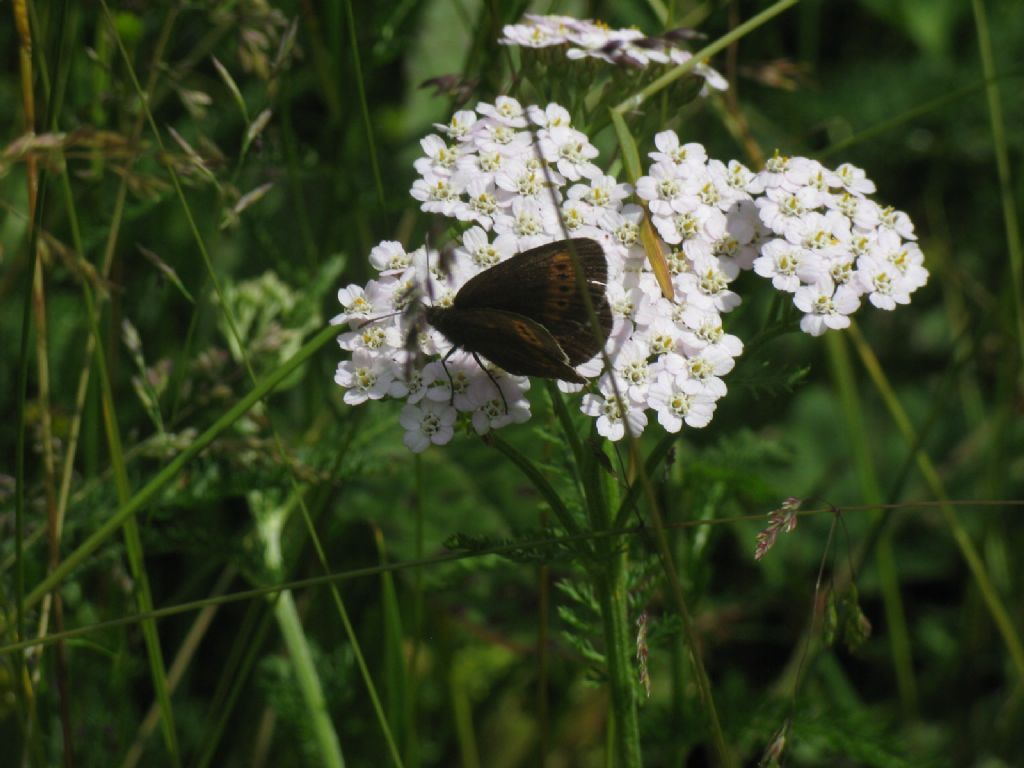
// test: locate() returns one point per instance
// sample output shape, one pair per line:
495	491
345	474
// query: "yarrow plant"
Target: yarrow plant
512	177
586	39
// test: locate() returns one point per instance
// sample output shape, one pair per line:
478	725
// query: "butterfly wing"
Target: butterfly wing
540	284
511	341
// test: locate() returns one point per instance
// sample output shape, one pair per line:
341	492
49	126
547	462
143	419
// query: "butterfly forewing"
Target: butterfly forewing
540	284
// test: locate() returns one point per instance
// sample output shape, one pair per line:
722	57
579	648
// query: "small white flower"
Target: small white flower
519	179
388	257
898	222
611	416
440	158
532	223
905	258
481	205
372	336
703	329
458	381
823	234
461	124
782	210
633	371
491	135
576	214
483	253
661	188
885	286
853	179
707	285
369	377
680	399
529	36
703	224
602	192
552	116
505	110
865	214
662	337
671	151
825	306
707	368
430	422
480	166
510	406
439	194
623	225
354	299
784	263
570	151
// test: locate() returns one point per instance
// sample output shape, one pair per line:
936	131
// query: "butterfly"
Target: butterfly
527	314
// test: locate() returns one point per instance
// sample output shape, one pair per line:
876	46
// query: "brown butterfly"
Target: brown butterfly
527	315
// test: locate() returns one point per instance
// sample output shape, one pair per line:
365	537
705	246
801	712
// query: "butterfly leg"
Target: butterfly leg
494	381
451	382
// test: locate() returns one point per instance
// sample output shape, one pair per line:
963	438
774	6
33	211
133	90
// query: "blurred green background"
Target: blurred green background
893	86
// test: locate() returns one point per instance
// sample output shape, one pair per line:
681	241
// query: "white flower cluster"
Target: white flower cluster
809	229
519	178
586	39
829	245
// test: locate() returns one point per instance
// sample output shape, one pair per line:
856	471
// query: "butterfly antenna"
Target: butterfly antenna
371	320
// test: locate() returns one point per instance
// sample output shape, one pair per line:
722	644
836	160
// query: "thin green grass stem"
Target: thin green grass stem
705	53
133	542
364	108
412	744
994	603
186	652
397	685
1006	194
236	337
243	657
703	682
541	483
610	589
357	573
270	519
98	537
909	116
871	492
304	666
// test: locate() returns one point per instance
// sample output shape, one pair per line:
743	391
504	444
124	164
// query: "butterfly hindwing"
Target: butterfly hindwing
540	284
511	341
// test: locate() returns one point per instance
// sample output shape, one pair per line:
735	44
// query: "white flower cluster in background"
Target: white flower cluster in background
522	177
811	230
586	39
830	245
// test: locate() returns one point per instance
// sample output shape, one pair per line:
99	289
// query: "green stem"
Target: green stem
968	551
899	635
539	482
610	588
133	541
634	102
308	681
169	472
1010	221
